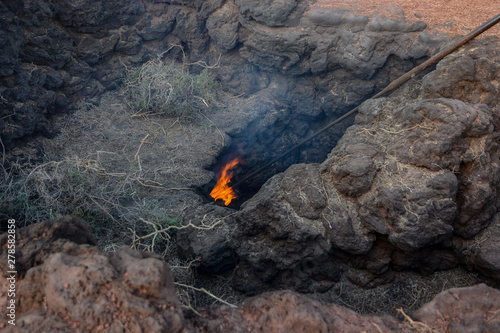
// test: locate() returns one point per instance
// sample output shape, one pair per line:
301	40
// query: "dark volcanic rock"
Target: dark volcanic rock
92	50
356	169
271	13
329	17
418	172
87	46
396	22
223	27
483	251
76	287
208	241
409	185
97	15
468	76
278	236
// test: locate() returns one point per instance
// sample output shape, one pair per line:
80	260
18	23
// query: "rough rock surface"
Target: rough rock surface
39	241
472	309
57	53
312	62
67	284
207	240
481	252
413	184
461	310
286	311
74	287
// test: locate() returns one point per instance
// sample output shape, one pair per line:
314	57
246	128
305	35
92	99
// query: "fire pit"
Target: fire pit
223	190
231	186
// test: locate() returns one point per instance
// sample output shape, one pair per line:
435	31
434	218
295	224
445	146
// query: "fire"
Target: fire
222	190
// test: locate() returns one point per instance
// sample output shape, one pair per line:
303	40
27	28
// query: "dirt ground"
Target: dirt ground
453	17
144	169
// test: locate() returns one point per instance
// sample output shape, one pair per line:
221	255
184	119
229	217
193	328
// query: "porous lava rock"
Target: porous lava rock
279	247
66	284
471	309
76	287
286	311
204	238
60	53
39	241
415	175
461	310
481	252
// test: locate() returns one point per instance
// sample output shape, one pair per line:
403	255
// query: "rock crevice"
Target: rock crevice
414	176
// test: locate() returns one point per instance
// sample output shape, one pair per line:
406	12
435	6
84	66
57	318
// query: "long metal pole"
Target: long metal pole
393	85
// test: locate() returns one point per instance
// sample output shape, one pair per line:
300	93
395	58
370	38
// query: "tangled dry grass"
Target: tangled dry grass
130	177
160	87
409	292
118	211
85	187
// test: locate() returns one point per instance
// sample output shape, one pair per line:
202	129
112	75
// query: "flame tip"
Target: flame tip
223	189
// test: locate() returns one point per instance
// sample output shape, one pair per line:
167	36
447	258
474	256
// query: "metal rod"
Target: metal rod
393	85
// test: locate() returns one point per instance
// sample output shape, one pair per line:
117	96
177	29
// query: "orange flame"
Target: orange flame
222	190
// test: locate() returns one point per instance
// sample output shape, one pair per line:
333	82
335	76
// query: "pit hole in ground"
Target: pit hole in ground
283	125
256	148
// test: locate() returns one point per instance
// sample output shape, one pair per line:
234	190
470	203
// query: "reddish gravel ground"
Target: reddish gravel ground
453	17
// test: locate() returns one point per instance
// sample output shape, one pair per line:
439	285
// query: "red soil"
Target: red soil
453	17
